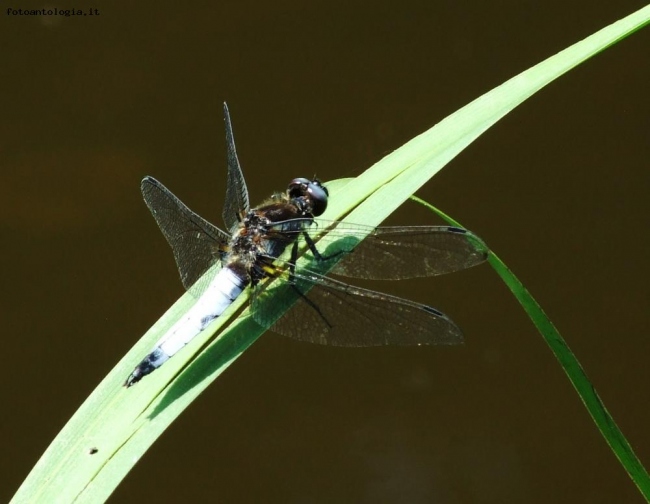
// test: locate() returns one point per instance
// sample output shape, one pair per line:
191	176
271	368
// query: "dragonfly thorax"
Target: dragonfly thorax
266	231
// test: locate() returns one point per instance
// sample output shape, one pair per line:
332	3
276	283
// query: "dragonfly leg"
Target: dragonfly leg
304	297
317	255
292	279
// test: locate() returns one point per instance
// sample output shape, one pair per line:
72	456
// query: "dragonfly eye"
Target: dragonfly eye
318	194
298	187
312	191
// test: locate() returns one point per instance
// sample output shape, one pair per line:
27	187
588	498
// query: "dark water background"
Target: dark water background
559	188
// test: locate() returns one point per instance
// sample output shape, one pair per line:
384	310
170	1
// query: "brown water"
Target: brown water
559	189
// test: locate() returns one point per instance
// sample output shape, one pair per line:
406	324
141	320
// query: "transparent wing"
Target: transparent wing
196	244
330	312
236	192
393	253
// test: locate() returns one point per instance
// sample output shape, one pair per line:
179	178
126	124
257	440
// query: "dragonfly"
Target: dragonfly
285	253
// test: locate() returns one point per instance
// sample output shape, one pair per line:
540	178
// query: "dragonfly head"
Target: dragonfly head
309	195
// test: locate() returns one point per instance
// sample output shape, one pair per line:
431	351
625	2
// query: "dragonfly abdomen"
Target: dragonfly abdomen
219	295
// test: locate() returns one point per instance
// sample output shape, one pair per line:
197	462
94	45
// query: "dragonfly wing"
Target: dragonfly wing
329	312
392	253
196	243
236	192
